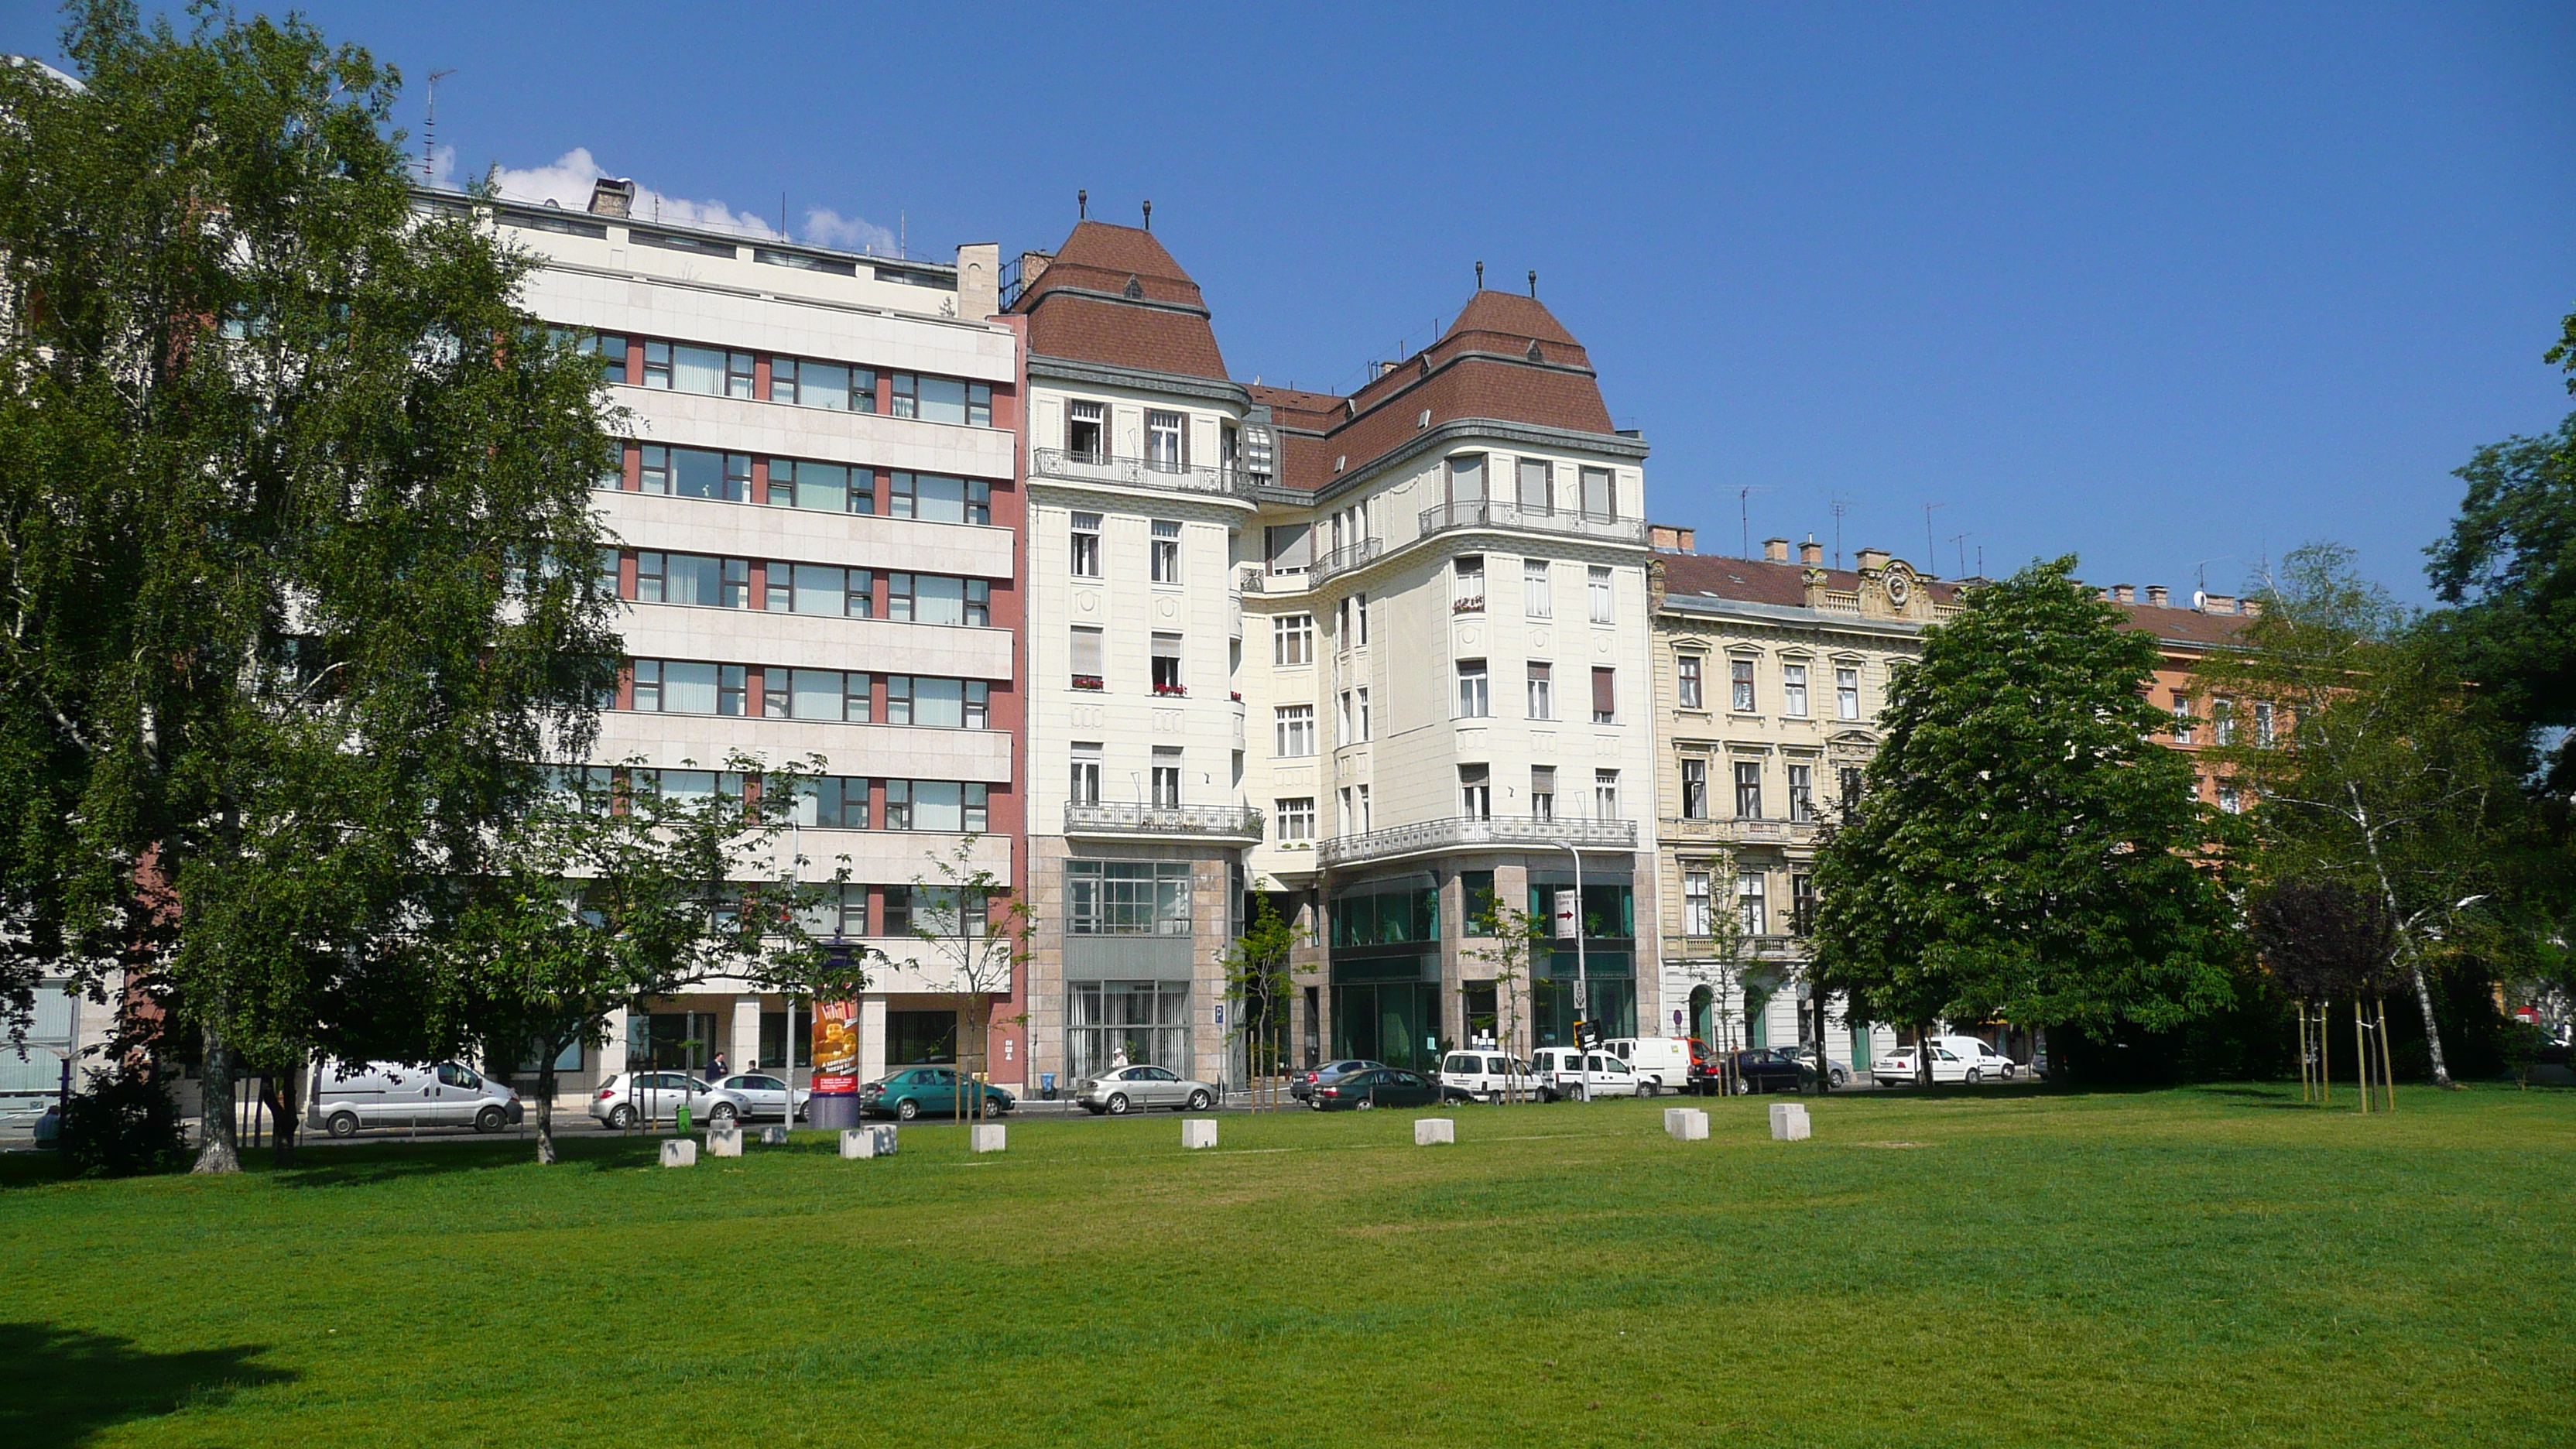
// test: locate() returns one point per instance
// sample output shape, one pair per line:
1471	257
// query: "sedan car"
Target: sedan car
1121	1090
911	1092
1903	1068
1766	1069
1384	1087
631	1097
751	1097
1302	1085
1805	1056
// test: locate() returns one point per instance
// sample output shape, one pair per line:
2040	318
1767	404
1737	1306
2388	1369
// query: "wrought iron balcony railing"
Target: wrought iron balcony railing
1492	513
1202	822
1138	473
1422	837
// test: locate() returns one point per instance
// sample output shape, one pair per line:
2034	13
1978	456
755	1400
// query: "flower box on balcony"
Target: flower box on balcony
1475	605
1238	696
1087	681
1172	691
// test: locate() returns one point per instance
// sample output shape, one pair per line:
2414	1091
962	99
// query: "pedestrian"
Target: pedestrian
716	1068
1118	1058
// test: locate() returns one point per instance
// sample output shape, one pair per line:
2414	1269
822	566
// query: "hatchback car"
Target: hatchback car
1302	1085
930	1092
631	1097
752	1097
1384	1087
1121	1090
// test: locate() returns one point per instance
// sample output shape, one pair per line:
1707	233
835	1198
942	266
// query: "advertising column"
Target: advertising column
835	1102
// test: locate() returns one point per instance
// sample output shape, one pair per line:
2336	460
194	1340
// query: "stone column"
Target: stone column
872	1038
612	1055
746	1034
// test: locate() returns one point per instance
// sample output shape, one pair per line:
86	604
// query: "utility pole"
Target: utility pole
429	126
1582	980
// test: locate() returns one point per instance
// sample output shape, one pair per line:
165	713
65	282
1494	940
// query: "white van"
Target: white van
1982	1063
1662	1063
1488	1074
1565	1072
351	1095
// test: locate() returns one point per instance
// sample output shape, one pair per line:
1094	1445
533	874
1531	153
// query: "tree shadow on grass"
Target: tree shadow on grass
67	1384
407	1161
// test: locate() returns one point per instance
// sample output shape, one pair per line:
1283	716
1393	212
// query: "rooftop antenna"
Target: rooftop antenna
1480	276
1149	213
429	127
1533	284
782	214
1082	205
2201	591
902	233
1744	508
1928	556
1960	541
1838	507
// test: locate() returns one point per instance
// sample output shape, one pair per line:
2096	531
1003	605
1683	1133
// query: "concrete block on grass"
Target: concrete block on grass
986	1137
679	1152
867	1142
1788	1122
1198	1132
1687	1124
773	1136
1429	1131
724	1142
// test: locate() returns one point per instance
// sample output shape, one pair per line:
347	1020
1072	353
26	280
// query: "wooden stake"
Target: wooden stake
2325	1055
2387	1072
2361	1048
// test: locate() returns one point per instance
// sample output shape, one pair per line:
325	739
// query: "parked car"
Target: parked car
1982	1062
1573	1074
1488	1075
1805	1056
1302	1084
1383	1087
911	1092
649	1097
752	1097
1662	1063
1121	1090
1902	1067
1766	1069
351	1095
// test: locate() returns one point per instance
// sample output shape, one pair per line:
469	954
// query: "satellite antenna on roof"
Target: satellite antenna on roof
429	127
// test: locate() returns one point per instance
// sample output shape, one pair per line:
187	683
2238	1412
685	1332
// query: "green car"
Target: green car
929	1091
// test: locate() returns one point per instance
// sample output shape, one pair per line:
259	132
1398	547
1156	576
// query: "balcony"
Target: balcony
1427	837
1495	514
1259	580
1233	824
1138	473
1731	831
1348	557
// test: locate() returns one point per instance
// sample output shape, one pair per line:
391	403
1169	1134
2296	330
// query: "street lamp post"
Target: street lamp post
1582	980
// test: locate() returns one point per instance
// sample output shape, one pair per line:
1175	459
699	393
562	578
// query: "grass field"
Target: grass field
2200	1267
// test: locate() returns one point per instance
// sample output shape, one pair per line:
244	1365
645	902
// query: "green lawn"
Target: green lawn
2211	1266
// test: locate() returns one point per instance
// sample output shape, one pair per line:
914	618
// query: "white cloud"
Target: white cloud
828	228
567	179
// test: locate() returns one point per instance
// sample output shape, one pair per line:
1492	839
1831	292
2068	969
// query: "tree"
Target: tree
613	891
2022	848
2371	761
1257	978
1727	963
983	949
298	572
2321	940
1516	936
2510	565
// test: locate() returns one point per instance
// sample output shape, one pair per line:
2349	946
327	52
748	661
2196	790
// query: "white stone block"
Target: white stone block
1198	1132
867	1142
1788	1122
679	1152
724	1142
1428	1131
773	1136
1687	1124
986	1137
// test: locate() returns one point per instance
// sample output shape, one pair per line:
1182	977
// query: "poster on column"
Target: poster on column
836	1048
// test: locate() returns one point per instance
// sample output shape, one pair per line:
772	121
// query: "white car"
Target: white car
1489	1075
631	1097
1979	1059
1954	1059
751	1096
1569	1074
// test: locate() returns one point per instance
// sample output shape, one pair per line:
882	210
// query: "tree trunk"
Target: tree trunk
282	1095
546	1105
217	1147
2405	940
2424	1000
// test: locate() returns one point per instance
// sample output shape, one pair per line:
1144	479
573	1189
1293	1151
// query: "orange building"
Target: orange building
2186	634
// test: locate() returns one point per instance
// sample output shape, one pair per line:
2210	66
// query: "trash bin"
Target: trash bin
1046	1085
682	1118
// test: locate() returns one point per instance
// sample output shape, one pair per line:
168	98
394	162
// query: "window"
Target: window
1802	794
1296	818
1742	672
2182	721
820	589
1477	902
2222	721
1598	586
1364	809
1542	690
940	499
1543	791
691	578
2262	724
611	352
937	703
1793	690
1149	1021
1085	433
834	802
1346	736
1165	561
1748	789
694	473
1086	657
1538	590
1290	547
943	805
829	487
1472	702
713	371
1166	779
1167	665
2229	800
938	599
1127	897
1086	545
1292	639
943	911
1688	680
1086	774
1696	917
1467	586
1166	441
1359	615
1694	789
1346	815
1847	692
1749	904
1802	905
1536	494
825	694
942	399
1605	695
1598	499
1850	778
833	385
680	686
1294	731
1467	480
1476	791
1362	693
1605	794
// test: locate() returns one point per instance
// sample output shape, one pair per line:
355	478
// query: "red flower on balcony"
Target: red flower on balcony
1238	696
1171	691
1087	681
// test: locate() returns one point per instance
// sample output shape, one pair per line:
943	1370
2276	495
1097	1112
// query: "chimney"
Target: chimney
612	196
1033	265
2124	593
2250	608
1812	553
1775	550
2157	597
1671	538
1384	368
2218	603
979	280
1871	559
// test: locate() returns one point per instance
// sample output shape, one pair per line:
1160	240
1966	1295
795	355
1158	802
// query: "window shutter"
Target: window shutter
1605	691
1086	650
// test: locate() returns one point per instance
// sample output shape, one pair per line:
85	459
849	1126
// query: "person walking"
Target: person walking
716	1068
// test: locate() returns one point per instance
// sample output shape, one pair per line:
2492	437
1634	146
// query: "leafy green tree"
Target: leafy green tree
2372	764
298	572
612	891
2023	849
1257	977
1514	938
2510	565
982	931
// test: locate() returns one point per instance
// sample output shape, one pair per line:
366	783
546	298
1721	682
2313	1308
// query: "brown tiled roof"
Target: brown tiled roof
1078	308
1760	581
2187	627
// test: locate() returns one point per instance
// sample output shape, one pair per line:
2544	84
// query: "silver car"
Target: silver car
751	1096
1122	1090
631	1097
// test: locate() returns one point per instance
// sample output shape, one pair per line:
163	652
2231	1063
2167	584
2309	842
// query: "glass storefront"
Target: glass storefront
917	1037
1148	1020
1554	1009
1395	1022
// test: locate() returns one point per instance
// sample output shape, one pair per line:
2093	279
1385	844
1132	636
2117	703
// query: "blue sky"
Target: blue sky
2184	284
